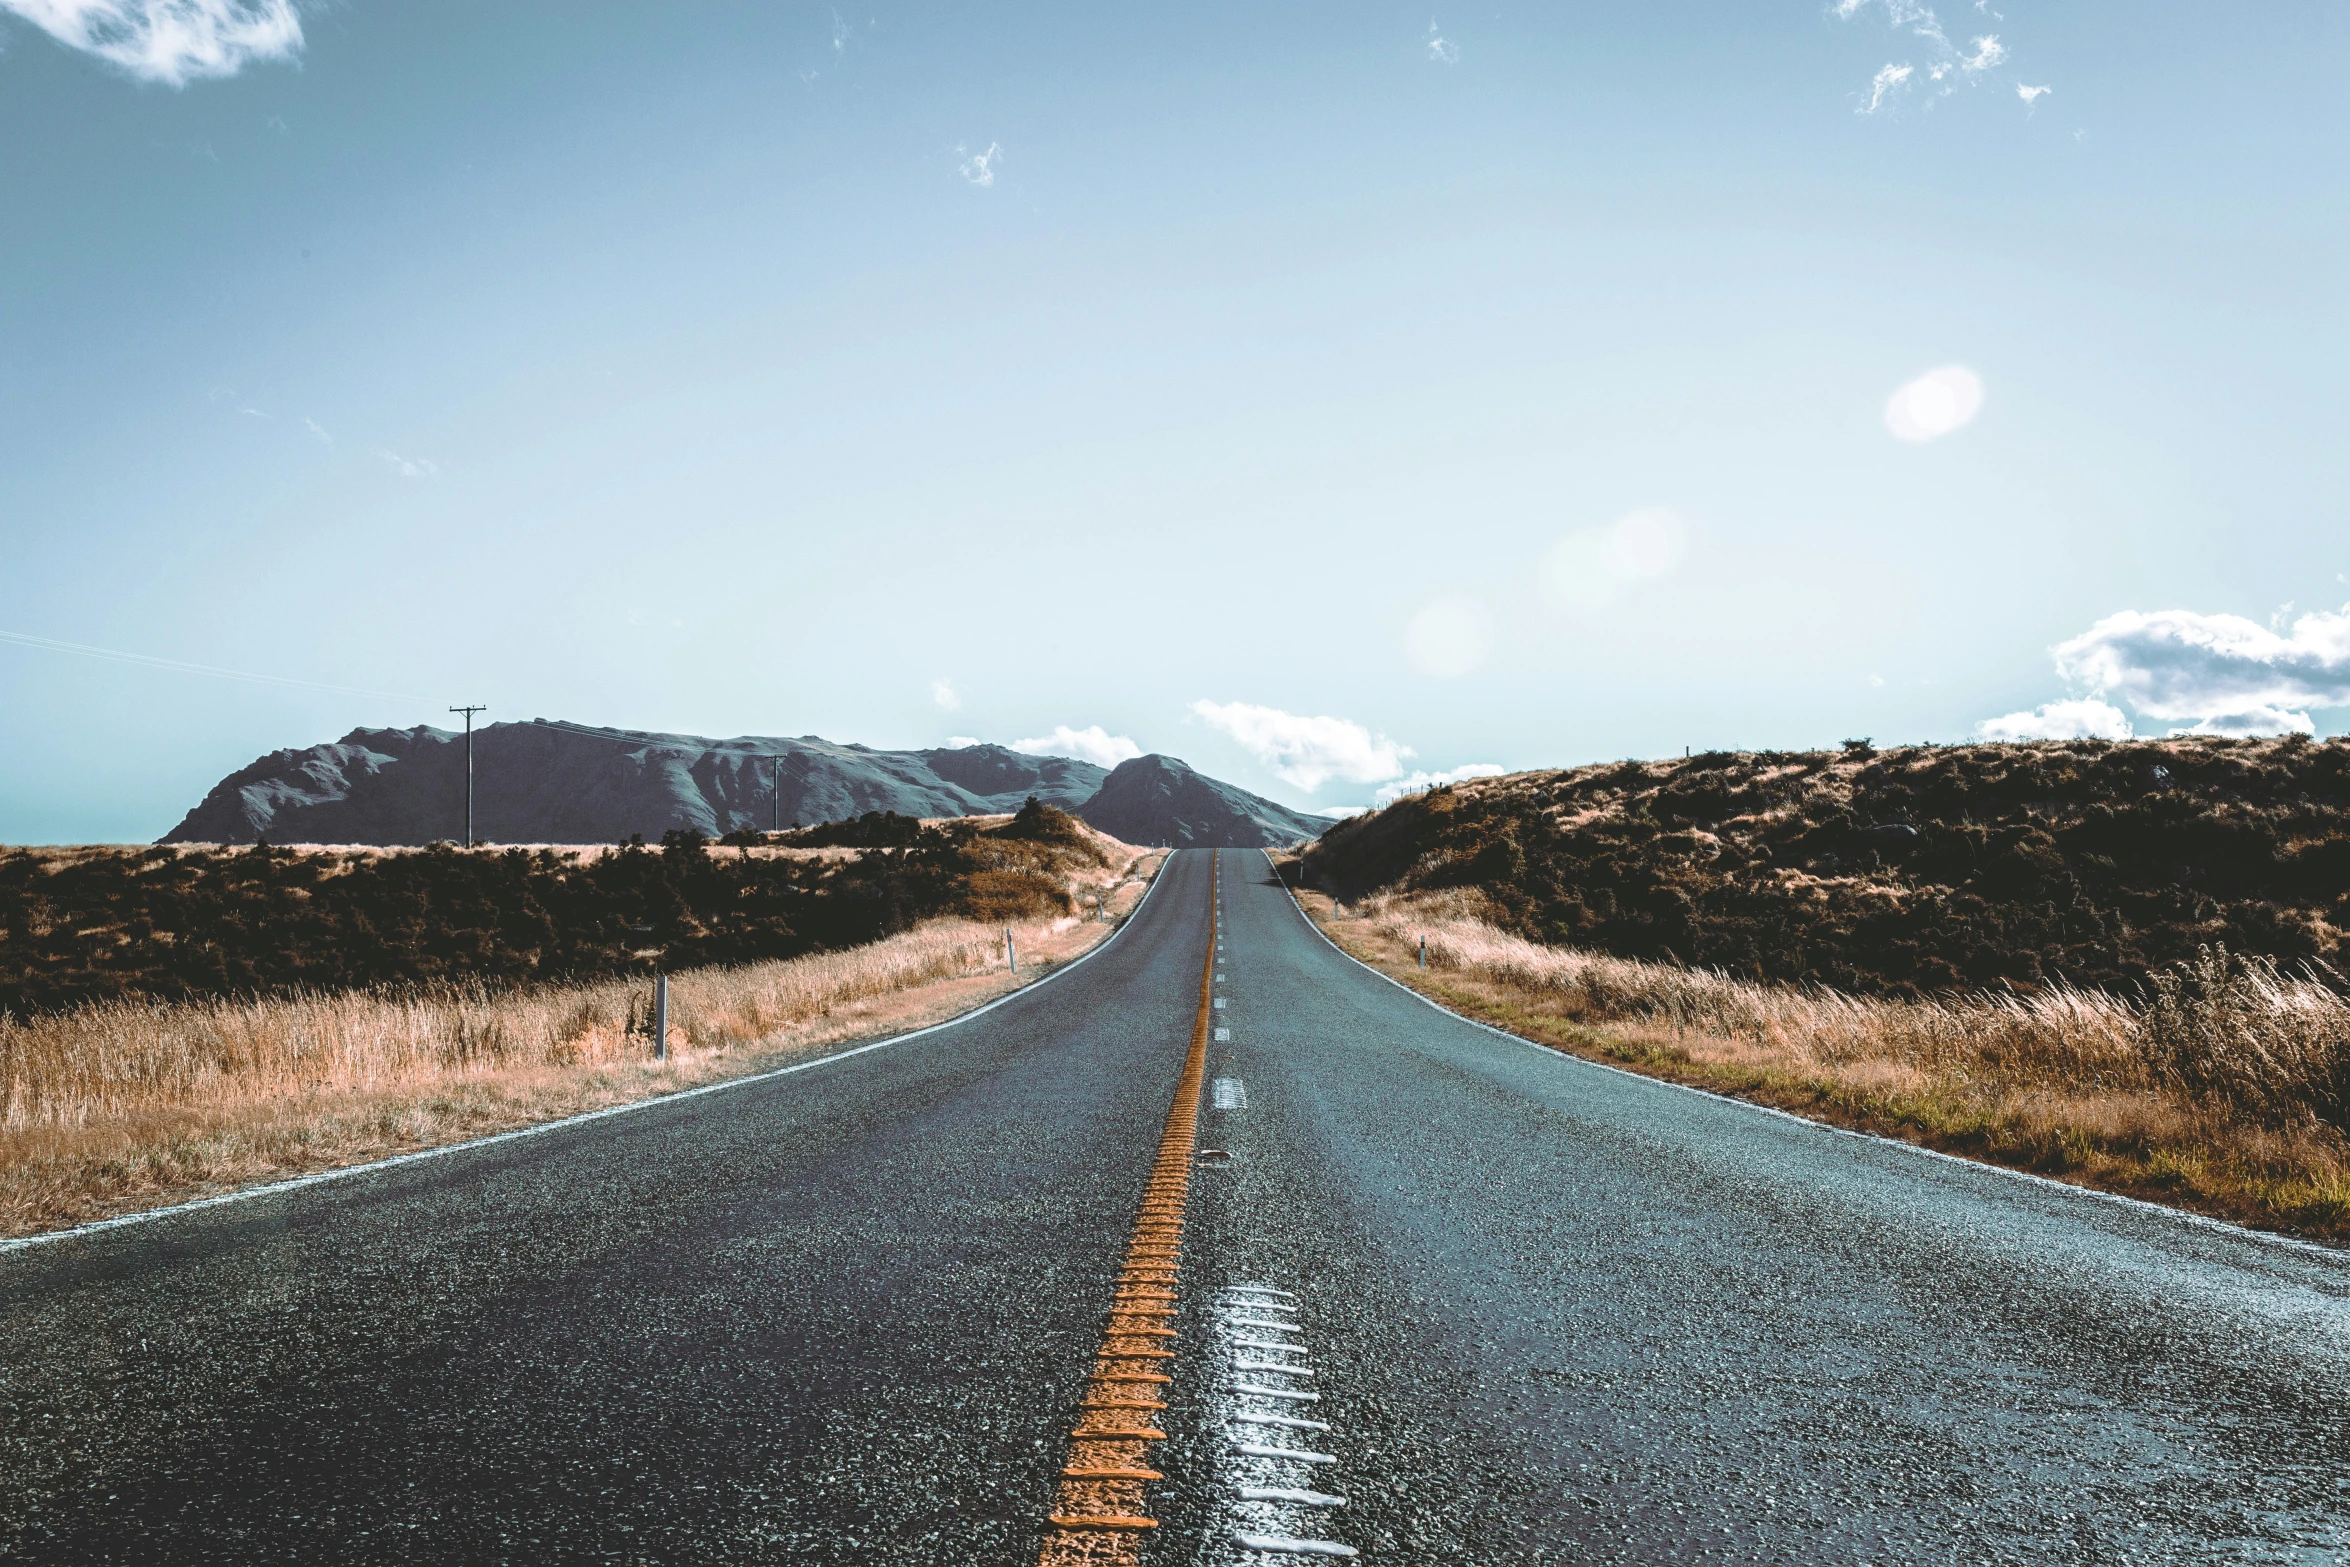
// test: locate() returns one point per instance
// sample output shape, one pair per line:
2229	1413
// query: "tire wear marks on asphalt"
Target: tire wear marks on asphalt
1100	1509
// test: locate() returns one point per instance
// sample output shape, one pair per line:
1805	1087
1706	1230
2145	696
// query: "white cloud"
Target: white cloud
1442	49
1448	638
410	467
979	167
1919	19
1388	794
1934	404
1591	567
2253	721
1340	813
319	430
2224	674
170	41
1091	744
1887	80
1948	67
2032	95
2085	719
944	694
1306	752
961	742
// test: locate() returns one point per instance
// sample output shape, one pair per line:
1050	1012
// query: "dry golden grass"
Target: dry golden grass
2225	1098
120	1106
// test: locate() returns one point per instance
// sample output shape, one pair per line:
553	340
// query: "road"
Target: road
1552	1313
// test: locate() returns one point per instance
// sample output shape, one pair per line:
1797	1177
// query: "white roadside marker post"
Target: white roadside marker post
660	1017
1011	952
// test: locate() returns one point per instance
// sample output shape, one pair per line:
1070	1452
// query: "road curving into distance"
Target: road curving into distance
1421	1292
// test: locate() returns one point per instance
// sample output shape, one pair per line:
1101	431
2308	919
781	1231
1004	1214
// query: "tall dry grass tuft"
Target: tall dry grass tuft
113	1059
2229	1087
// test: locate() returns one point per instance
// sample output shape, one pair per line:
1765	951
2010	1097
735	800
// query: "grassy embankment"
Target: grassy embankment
2110	964
115	1105
2190	1102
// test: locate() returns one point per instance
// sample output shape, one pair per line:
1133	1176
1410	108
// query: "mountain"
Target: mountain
1157	799
550	782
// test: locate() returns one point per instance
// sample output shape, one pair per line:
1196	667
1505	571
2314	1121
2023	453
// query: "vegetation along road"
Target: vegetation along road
1161	1260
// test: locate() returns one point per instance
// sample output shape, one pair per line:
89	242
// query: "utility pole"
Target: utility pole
469	711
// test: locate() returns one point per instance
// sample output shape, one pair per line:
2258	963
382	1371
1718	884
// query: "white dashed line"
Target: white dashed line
1231	1094
1223	1036
1269	1513
1286	1422
1285	1493
1289	1547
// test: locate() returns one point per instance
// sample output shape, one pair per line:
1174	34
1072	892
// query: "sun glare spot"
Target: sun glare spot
1935	404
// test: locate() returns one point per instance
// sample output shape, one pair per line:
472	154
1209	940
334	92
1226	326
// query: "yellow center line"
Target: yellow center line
1100	1508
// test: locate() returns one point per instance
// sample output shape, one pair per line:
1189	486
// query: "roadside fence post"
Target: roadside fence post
660	1017
1011	952
1423	952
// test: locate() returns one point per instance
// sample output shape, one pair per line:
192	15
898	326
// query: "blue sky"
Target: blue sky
1325	393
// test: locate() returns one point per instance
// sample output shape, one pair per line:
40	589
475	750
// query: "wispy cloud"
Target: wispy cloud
1420	782
170	41
1305	752
410	467
1091	744
1885	83
1934	404
318	430
230	397
961	742
979	167
1441	49
1947	66
2031	95
944	694
1989	51
1594	566
2209	674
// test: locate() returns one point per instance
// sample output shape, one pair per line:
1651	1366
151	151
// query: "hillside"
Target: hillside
1157	799
549	782
1905	872
165	924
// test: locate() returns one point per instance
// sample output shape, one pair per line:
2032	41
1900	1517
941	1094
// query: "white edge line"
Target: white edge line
320	1177
2183	1215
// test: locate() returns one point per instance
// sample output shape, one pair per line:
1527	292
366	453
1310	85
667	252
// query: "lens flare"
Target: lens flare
1935	404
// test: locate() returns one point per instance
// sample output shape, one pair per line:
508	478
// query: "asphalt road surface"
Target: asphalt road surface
1509	1306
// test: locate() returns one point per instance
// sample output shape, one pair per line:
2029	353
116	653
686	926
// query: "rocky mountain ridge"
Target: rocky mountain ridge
544	781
